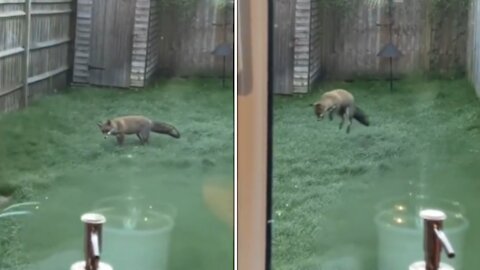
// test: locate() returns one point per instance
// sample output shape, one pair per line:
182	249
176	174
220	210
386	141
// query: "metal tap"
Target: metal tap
93	239
435	238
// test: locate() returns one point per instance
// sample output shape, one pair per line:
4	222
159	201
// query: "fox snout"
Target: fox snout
320	113
105	129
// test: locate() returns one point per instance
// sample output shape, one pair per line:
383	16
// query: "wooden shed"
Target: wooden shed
297	48
116	42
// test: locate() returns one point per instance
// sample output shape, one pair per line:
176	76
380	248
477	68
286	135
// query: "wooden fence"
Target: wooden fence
350	45
31	67
187	38
473	49
283	45
35	38
344	45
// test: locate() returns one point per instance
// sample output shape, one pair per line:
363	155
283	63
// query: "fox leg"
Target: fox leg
143	135
331	111
349	124
147	135
142	140
120	138
349	114
343	116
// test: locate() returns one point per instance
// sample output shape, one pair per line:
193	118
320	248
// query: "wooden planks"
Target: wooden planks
187	38
315	46
12	33
49	43
34	46
297	45
153	45
98	35
284	37
302	32
352	42
473	49
47	75
26	57
82	41
12	2
10	14
338	45
111	43
140	42
11	52
103	44
163	40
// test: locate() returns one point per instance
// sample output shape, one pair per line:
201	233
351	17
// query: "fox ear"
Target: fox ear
109	122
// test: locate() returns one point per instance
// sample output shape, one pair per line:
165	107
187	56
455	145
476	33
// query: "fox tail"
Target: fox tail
361	117
165	128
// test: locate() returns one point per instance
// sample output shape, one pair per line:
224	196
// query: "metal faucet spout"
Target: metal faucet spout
445	243
95	244
93	239
435	238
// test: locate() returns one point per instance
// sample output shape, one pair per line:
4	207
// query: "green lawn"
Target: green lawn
326	181
60	131
45	145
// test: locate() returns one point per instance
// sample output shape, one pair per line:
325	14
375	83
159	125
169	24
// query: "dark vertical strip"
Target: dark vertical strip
147	53
244	74
268	251
309	68
71	45
26	47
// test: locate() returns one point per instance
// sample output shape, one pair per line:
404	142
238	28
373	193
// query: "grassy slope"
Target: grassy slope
60	131
58	135
316	166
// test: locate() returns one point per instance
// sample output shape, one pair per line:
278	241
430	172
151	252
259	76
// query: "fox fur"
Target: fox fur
342	102
135	124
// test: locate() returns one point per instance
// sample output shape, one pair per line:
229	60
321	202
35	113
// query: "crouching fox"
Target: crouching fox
341	102
135	124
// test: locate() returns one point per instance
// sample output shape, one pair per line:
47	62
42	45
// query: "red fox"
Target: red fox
342	102
135	124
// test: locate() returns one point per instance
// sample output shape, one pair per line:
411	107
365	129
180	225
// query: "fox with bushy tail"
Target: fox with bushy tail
340	101
135	124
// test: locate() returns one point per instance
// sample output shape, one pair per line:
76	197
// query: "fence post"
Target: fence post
26	47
